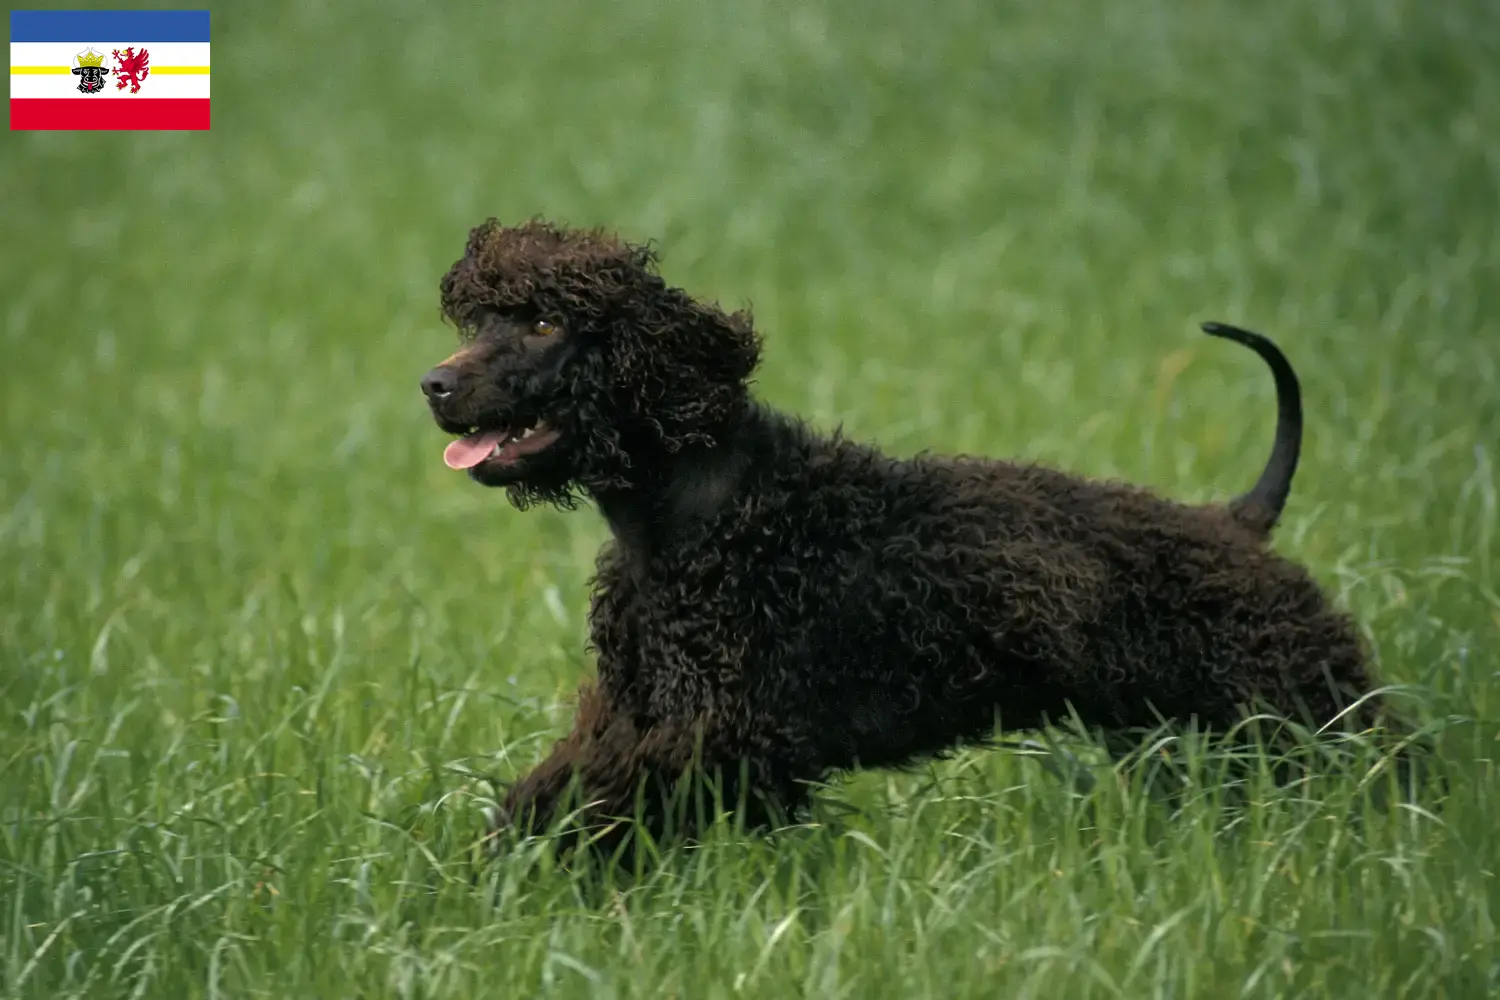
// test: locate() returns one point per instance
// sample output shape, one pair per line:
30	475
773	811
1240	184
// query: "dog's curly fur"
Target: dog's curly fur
778	605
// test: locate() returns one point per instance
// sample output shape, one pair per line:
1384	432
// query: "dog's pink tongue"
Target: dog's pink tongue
467	452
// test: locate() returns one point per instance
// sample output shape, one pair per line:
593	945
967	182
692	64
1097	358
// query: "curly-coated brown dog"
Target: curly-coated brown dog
778	604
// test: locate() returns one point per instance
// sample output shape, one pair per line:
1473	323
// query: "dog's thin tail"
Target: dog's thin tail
1261	507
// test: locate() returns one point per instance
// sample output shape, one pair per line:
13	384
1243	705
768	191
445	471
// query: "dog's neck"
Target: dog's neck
682	491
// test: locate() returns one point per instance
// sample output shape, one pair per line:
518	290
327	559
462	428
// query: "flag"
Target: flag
108	69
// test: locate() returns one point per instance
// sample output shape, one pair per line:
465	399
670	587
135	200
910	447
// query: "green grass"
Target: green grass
254	636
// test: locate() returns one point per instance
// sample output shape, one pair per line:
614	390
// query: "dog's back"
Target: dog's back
975	586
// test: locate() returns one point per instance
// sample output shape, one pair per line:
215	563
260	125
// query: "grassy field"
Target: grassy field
256	641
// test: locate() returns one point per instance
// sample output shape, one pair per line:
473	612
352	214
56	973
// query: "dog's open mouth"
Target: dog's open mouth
501	446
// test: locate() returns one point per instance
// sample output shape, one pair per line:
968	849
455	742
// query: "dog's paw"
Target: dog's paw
499	825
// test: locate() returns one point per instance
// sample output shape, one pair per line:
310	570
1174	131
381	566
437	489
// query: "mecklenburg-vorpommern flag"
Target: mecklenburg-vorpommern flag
108	69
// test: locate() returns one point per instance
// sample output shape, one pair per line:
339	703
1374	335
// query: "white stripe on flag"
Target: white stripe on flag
62	53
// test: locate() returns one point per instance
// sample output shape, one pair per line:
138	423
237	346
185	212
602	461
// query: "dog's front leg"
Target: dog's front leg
608	773
532	804
604	773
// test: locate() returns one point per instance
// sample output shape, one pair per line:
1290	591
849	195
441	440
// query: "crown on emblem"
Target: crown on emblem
90	58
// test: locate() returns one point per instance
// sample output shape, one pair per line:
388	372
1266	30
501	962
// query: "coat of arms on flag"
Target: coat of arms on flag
119	69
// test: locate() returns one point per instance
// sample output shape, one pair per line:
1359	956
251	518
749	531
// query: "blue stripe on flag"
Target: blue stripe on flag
108	26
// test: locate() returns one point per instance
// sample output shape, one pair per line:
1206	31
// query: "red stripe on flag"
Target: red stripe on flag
28	113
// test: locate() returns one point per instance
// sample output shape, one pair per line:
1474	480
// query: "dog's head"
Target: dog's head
580	367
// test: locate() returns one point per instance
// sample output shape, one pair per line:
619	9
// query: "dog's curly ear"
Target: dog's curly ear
726	344
702	364
683	365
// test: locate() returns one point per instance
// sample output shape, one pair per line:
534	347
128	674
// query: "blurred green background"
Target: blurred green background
255	639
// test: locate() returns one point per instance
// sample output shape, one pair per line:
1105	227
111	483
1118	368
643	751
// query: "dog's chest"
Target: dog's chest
675	635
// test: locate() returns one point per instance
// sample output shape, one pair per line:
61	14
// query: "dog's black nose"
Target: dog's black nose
439	382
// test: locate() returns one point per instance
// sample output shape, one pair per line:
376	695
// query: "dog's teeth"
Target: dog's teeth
495	451
527	433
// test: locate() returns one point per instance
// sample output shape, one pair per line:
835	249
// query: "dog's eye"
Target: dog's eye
542	328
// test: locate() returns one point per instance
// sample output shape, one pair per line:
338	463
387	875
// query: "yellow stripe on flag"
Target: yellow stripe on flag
64	70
